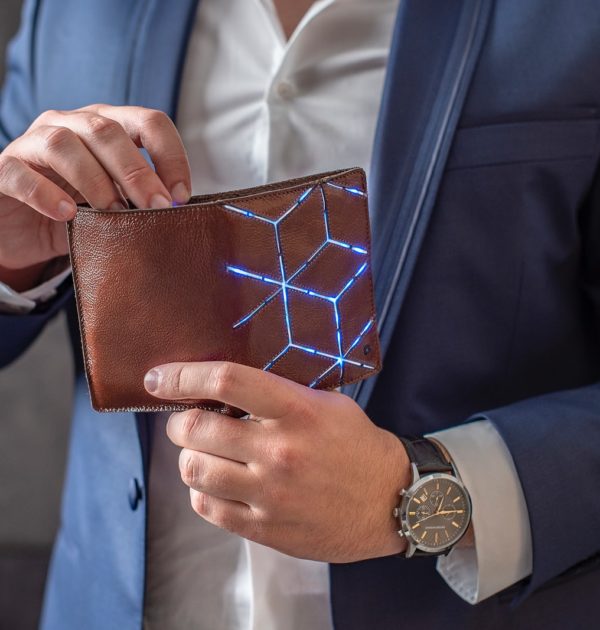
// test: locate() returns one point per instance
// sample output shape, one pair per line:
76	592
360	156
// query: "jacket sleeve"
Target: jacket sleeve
17	332
554	440
17	111
17	100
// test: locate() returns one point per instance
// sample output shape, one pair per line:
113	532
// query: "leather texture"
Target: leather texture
426	455
501	318
276	277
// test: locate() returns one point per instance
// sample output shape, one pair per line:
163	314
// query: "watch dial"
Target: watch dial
437	514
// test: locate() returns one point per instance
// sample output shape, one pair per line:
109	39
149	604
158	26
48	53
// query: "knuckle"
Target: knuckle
190	421
223	379
175	381
185	385
217	513
8	165
178	381
190	469
199	502
42	119
102	129
98	182
156	119
30	188
284	457
58	139
135	175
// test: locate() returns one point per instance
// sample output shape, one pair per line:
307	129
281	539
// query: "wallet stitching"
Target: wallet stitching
183	407
270	194
223	199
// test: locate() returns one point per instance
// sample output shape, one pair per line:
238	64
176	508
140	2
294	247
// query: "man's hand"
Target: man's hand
90	154
307	474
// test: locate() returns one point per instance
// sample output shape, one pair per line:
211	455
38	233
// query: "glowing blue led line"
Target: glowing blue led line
327	355
351	281
300	269
338	334
354	191
328	239
308	260
358	250
361	334
281	285
258	308
286	309
284	285
247	213
253	215
300	199
276	358
304	195
324	374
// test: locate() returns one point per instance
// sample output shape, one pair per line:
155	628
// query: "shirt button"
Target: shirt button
135	493
285	90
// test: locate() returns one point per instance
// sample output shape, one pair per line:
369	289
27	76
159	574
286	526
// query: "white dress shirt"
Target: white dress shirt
256	108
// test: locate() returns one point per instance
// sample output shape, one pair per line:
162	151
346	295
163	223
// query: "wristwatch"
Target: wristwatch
435	510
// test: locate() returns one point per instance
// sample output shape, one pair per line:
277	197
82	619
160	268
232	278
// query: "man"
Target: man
485	209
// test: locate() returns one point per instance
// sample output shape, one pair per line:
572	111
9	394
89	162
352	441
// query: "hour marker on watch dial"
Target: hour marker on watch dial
439	513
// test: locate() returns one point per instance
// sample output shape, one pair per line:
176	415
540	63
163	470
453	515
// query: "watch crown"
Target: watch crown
402	492
396	512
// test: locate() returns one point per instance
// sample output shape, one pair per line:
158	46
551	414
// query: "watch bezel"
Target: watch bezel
410	492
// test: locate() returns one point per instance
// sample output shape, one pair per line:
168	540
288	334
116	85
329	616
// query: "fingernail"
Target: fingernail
151	381
66	209
160	201
180	193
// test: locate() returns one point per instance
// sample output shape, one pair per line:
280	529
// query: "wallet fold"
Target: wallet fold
276	277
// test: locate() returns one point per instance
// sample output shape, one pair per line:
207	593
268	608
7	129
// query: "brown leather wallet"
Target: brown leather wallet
276	277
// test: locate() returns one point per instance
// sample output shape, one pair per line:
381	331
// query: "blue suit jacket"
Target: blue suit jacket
486	217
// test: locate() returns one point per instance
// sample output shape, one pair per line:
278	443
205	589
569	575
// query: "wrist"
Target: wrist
397	476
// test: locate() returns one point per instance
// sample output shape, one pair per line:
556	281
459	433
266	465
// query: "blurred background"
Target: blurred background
35	402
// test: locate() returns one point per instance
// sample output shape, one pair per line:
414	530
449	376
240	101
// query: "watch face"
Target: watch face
436	512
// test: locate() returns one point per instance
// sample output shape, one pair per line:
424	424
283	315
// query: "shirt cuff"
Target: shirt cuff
21	303
502	552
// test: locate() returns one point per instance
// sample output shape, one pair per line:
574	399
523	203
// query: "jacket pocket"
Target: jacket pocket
527	141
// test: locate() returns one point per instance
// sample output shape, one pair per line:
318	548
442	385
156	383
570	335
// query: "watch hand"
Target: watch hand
437	514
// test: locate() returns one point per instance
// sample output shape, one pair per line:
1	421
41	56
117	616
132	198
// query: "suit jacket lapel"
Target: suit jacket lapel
159	54
434	50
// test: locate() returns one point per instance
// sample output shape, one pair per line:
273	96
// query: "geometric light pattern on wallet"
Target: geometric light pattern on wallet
277	277
283	284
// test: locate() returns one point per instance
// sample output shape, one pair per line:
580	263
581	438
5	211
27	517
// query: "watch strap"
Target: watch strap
426	455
